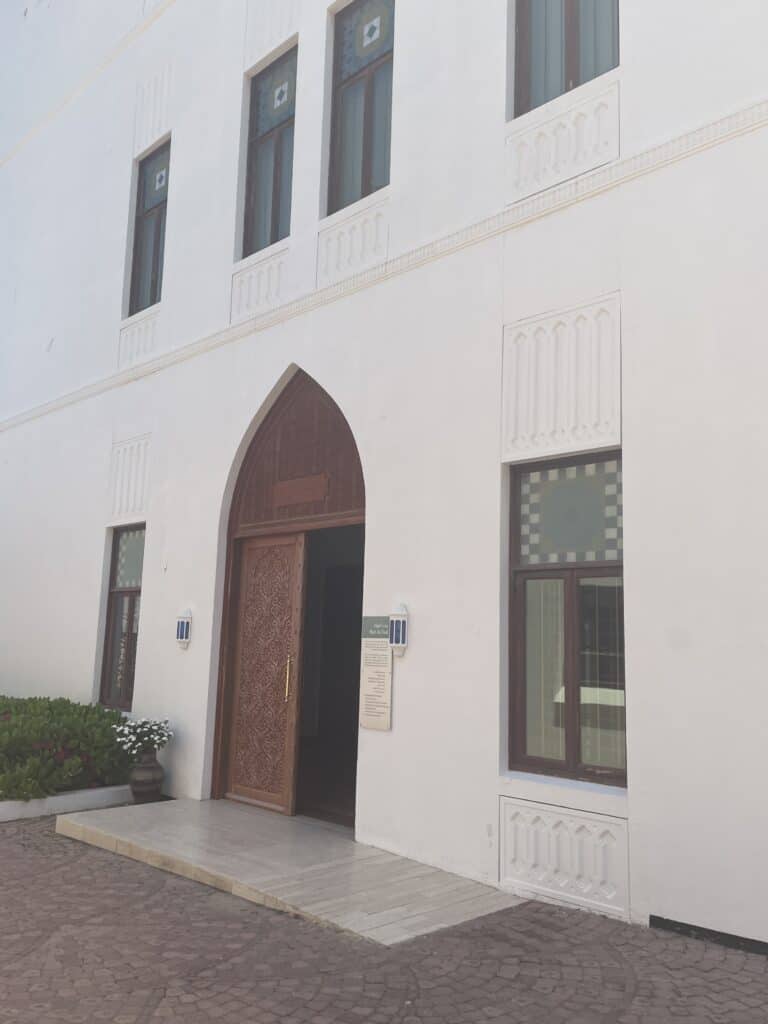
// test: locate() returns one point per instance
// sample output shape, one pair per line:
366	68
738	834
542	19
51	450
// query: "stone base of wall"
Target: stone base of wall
64	803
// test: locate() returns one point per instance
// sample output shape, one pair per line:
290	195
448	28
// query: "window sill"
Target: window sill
276	249
356	208
560	104
143	314
575	794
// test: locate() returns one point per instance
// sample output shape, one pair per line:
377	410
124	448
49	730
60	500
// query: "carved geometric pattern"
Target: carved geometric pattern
353	244
129	476
138	339
562	382
565	856
257	287
581	138
261	716
153	102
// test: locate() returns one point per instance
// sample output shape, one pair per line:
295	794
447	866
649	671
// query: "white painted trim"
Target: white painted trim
87	80
534	207
66	803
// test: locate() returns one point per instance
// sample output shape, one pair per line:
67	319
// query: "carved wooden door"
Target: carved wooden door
267	660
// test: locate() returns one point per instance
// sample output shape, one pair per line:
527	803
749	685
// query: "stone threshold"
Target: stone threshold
296	865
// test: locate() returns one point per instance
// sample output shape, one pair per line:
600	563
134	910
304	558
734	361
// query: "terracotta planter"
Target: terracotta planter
146	778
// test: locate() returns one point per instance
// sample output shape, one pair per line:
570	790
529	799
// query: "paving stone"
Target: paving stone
88	936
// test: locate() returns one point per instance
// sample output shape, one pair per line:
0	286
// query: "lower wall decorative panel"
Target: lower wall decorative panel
353	244
128	484
138	339
258	286
565	856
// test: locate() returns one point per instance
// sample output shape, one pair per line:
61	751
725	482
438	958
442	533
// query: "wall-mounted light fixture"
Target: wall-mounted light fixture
398	630
184	628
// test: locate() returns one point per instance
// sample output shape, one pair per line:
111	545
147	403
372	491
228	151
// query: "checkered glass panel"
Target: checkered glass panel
571	514
130	559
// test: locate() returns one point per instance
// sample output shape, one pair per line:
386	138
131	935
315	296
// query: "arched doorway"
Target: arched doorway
287	714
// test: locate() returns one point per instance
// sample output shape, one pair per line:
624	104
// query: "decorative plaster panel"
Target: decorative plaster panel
565	856
581	138
562	382
152	119
129	476
353	244
138	339
269	23
258	286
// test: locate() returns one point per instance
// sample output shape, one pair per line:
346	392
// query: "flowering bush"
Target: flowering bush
142	735
53	745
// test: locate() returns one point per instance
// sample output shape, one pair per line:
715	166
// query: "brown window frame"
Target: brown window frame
339	87
157	213
255	141
522	44
570	572
114	593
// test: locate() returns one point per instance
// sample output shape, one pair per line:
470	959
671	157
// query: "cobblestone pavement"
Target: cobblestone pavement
88	936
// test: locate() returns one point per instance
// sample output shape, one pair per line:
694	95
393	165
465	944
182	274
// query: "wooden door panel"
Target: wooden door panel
262	735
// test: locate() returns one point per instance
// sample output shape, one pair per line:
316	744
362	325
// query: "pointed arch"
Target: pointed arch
301	472
302	464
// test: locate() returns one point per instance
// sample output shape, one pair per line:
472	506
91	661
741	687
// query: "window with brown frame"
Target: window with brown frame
560	44
149	230
122	617
362	101
567	714
269	175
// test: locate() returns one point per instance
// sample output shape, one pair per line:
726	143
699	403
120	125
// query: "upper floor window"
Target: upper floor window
149	230
269	174
560	44
122	617
362	101
567	714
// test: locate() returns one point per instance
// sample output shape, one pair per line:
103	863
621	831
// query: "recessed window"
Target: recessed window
149	230
362	101
560	44
122	617
567	711
269	175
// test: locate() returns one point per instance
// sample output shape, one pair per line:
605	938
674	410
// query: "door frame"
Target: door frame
227	652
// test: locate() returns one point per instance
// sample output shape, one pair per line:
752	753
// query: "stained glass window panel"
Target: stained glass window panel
155	170
364	33
130	559
571	514
273	96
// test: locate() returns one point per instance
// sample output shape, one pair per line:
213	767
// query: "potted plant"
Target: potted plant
142	738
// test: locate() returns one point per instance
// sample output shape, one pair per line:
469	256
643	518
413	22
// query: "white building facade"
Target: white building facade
311	312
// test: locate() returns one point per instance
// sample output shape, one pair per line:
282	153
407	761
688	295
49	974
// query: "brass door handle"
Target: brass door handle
287	677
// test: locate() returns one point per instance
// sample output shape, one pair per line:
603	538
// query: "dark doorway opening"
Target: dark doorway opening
331	674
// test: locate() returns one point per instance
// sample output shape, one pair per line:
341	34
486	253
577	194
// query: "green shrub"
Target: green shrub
50	746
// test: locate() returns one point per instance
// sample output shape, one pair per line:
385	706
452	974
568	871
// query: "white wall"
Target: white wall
413	356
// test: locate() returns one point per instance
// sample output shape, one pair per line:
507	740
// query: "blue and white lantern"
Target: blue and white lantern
184	628
398	630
